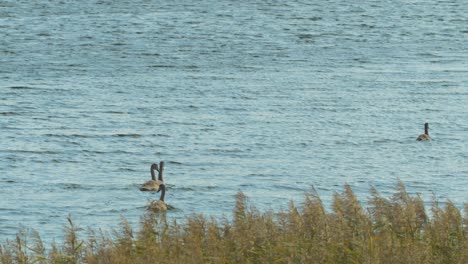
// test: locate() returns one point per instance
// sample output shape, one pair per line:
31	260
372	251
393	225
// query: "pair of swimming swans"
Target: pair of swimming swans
156	185
153	184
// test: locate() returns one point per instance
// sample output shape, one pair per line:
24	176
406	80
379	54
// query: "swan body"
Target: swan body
159	205
425	136
153	184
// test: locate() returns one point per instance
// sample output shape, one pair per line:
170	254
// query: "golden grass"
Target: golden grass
391	230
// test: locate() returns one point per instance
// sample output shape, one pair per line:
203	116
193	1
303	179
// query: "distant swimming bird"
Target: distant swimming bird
425	136
159	205
153	184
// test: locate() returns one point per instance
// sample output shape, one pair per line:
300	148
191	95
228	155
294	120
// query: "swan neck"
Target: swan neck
162	187
426	129
160	171
153	177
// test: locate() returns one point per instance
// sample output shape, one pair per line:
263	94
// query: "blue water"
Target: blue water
267	97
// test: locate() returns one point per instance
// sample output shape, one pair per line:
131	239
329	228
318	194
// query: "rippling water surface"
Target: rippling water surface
267	97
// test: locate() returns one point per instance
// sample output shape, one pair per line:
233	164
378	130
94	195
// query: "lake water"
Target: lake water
267	97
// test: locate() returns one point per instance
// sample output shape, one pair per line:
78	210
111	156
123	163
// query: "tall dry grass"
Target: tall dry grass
390	230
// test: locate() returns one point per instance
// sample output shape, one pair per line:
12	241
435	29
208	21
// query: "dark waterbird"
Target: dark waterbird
425	136
153	184
159	205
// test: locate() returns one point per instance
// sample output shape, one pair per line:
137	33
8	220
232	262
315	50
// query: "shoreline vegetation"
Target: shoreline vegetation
398	229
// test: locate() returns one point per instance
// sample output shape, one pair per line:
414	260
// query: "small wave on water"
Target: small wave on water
9	113
22	87
132	135
8	181
41	152
72	186
288	187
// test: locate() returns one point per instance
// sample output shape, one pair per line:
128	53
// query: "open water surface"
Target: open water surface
267	97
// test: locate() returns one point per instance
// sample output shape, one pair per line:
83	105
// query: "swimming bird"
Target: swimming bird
425	136
159	205
153	184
